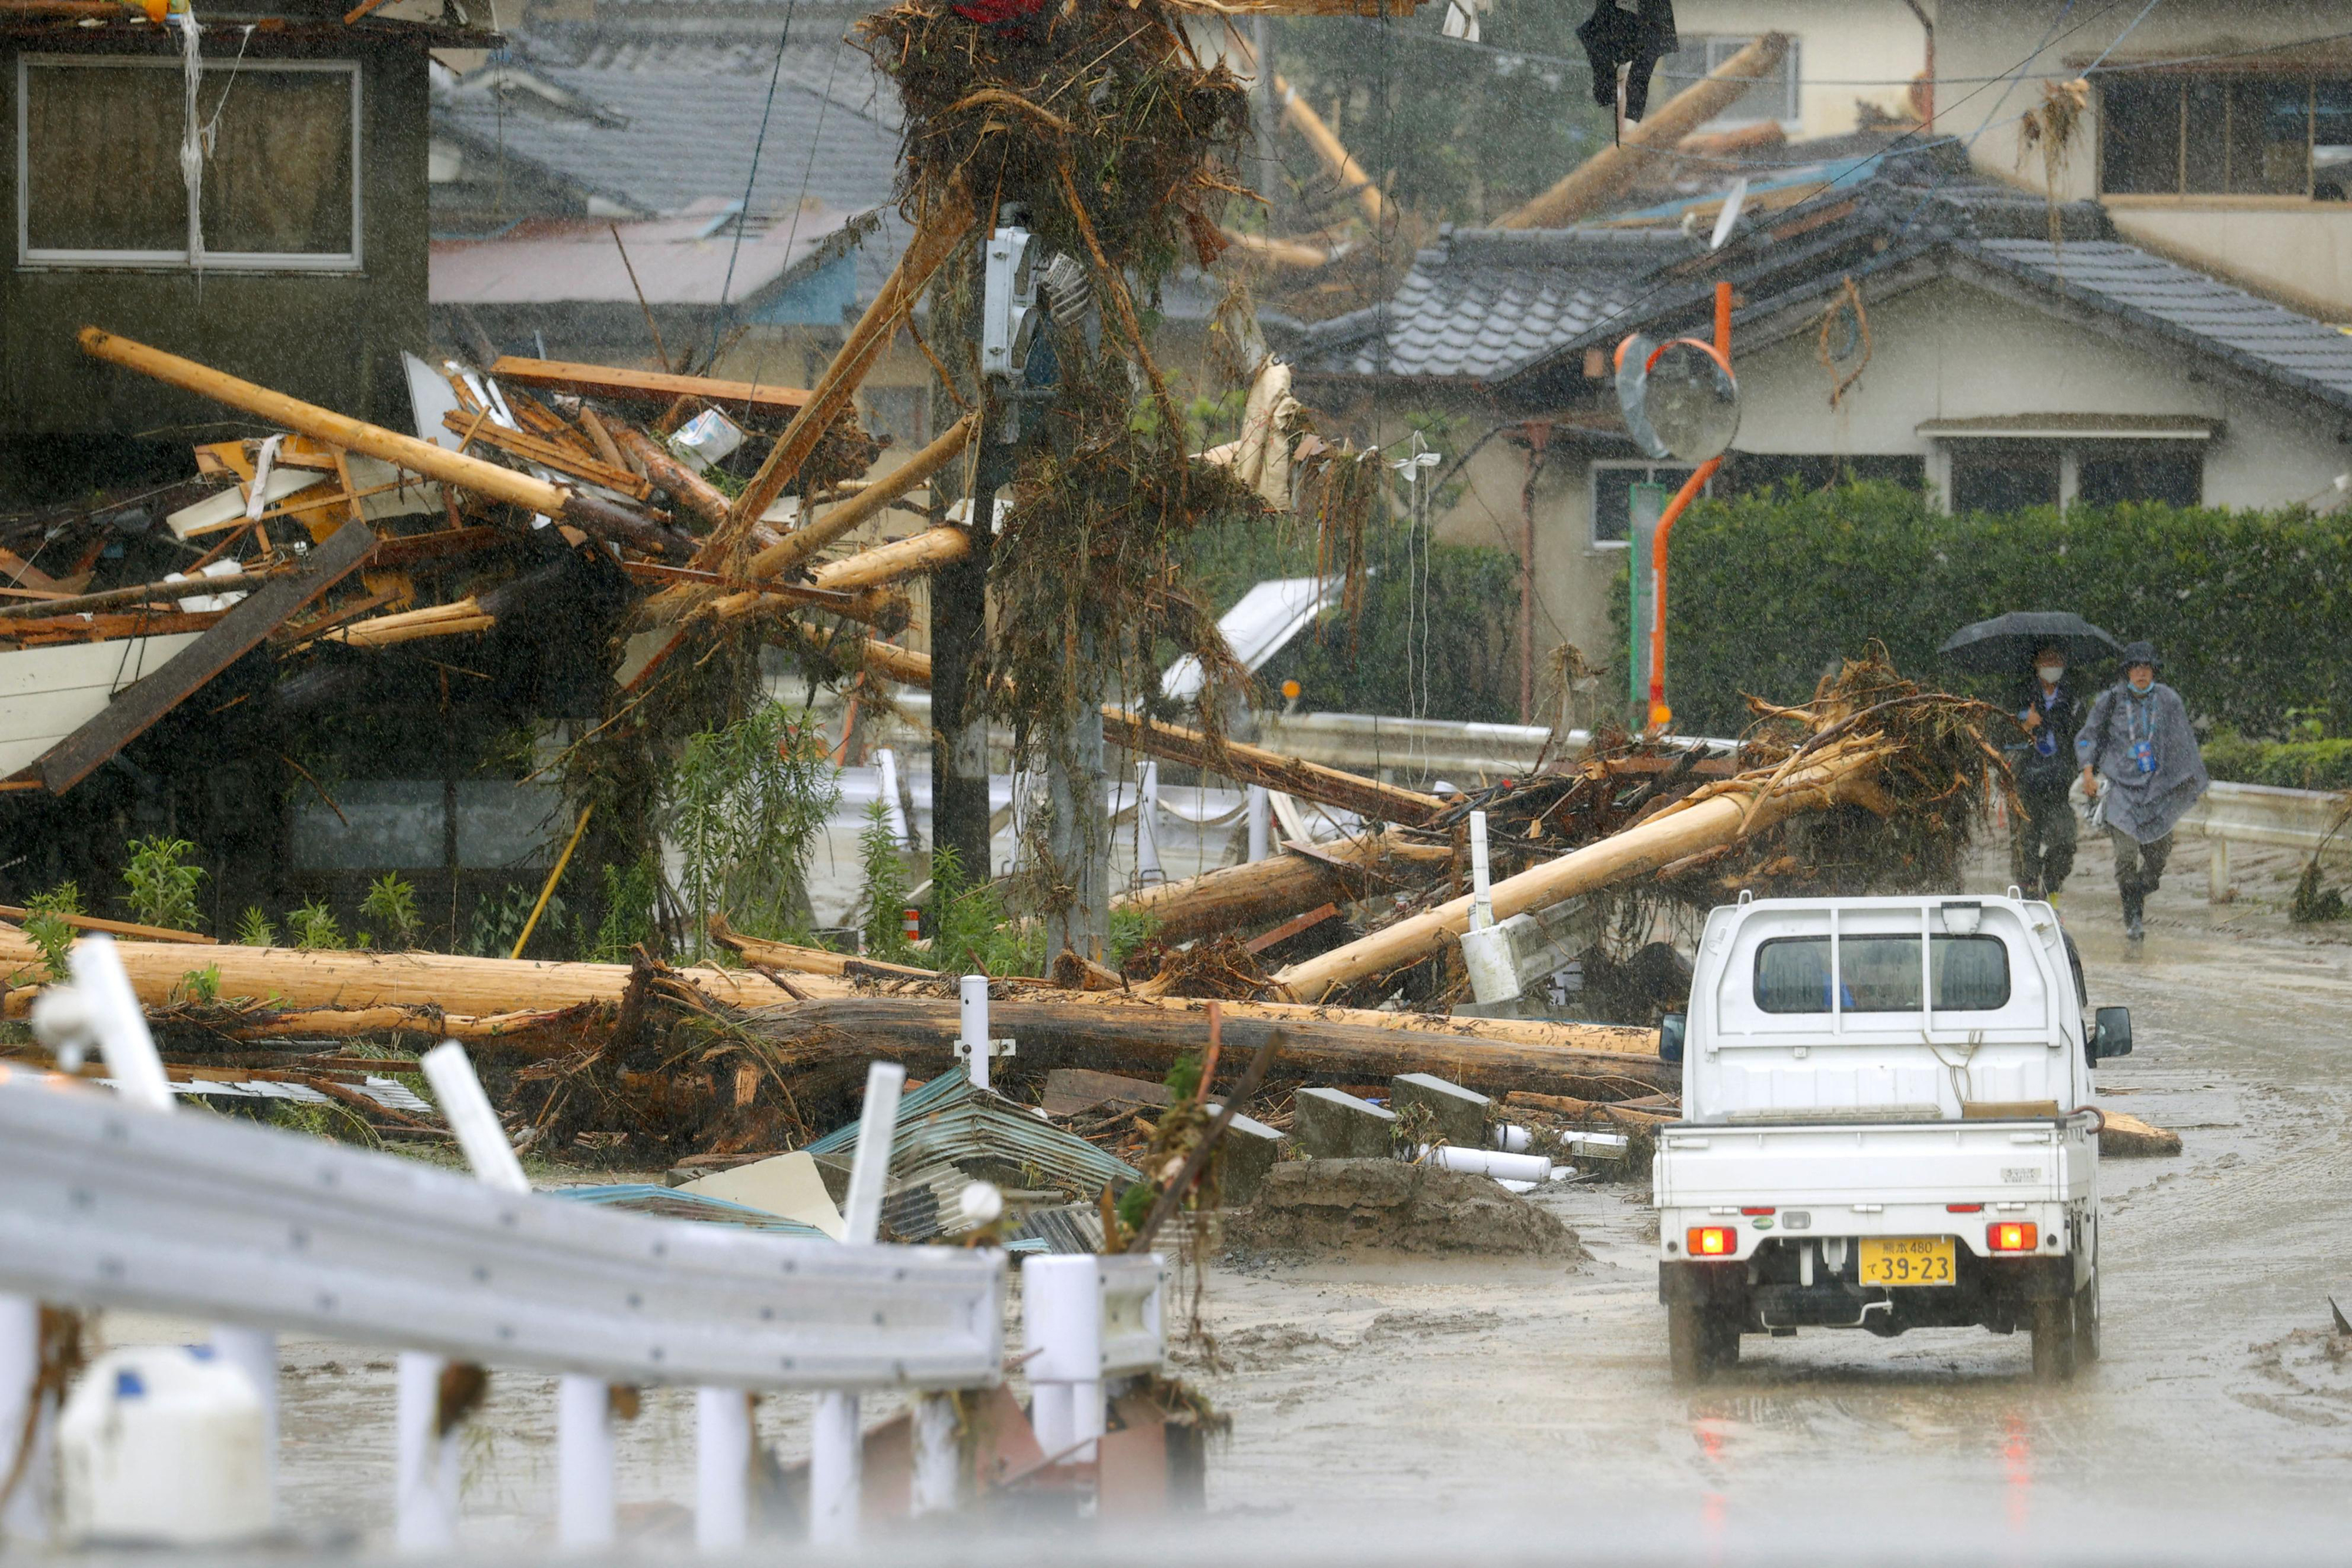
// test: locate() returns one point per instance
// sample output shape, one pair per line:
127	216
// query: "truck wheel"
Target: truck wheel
1722	1341
2053	1340
2086	1321
1686	1345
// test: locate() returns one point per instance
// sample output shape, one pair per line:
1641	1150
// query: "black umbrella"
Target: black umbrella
2004	644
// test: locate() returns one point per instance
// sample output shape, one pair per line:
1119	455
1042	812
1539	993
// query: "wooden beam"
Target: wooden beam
240	629
112	927
644	386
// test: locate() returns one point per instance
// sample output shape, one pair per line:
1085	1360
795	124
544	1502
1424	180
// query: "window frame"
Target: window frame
2313	78
1648	468
1832	974
1792	104
31	259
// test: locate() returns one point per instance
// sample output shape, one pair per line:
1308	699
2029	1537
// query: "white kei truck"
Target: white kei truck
1887	1125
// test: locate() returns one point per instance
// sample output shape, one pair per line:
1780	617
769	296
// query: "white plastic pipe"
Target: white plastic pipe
971	995
1482	900
24	1521
939	1457
1148	868
723	1468
425	1497
1511	1140
1488	1163
584	1464
887	761
1261	824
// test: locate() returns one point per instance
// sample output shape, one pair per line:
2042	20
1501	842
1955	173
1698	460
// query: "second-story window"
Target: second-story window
1774	97
2164	133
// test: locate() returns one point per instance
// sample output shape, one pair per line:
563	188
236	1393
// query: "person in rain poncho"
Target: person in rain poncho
2141	764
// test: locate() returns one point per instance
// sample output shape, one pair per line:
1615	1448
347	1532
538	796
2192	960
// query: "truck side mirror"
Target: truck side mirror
1670	1036
2113	1036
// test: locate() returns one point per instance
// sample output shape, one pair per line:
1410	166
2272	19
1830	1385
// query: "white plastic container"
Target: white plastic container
164	1444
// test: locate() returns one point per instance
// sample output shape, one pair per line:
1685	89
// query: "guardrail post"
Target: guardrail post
426	1479
723	1468
837	1440
583	1463
254	1351
1061	1315
1148	868
25	1519
971	1014
939	1455
2217	871
1261	825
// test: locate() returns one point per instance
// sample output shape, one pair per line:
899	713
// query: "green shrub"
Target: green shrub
629	905
253	930
747	804
2288	764
883	902
392	904
2250	611
52	935
972	931
315	928
159	885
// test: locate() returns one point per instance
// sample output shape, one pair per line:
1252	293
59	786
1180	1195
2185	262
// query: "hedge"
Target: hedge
2289	764
2250	611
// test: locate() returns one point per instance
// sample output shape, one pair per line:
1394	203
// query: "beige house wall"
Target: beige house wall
2296	250
1847	50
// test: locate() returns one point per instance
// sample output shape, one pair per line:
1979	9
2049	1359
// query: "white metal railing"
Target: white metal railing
2264	814
1428	748
107	1201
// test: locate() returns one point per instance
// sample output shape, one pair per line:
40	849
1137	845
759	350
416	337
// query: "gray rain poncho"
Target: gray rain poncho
2146	753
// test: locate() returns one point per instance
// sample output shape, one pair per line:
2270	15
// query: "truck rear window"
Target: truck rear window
1881	974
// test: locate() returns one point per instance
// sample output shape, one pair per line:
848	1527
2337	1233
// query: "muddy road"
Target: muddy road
1496	1385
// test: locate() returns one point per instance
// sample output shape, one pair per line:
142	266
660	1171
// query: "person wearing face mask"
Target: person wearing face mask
2041	848
2141	764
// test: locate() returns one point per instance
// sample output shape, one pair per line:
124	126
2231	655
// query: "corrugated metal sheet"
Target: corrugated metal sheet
986	1137
664	1203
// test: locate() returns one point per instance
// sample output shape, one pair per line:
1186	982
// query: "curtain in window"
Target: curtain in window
103	159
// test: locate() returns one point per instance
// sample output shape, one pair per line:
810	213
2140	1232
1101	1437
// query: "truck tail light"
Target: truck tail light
2013	1236
1717	1240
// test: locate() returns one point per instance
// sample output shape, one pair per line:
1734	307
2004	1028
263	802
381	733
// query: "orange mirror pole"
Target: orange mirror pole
1660	715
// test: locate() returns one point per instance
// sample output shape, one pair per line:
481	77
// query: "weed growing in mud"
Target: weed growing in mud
883	903
392	904
47	932
161	885
254	929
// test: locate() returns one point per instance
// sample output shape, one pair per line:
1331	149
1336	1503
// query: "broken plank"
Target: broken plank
551	455
240	629
1289	928
643	386
113	928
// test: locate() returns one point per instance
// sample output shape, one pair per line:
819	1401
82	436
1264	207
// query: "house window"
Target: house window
1613	497
2004	476
2141	471
2165	134
98	164
1774	96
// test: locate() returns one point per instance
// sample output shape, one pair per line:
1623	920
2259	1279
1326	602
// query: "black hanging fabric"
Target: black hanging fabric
1638	36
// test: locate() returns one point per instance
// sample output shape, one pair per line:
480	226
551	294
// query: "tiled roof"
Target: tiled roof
1485	303
661	126
2189	307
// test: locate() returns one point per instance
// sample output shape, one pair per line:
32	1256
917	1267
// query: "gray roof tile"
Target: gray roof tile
2187	306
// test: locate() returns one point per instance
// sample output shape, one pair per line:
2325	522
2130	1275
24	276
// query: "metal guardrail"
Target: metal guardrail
107	1206
1426	747
2264	814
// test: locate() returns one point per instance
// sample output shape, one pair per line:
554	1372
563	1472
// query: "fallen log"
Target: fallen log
1612	171
644	386
1591	1110
468	987
2127	1137
817	532
1234	898
681	483
143	594
937	237
1716	815
797	960
922	1033
1604	1038
592	513
1368	798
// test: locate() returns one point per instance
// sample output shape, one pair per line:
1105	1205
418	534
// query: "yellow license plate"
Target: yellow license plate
1907	1260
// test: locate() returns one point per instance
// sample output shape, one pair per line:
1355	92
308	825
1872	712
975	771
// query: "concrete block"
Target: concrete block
1244	1155
1461	1113
1330	1126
